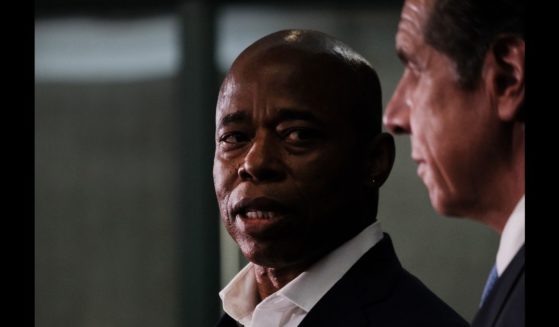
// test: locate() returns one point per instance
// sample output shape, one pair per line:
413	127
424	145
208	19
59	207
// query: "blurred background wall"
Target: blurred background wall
126	225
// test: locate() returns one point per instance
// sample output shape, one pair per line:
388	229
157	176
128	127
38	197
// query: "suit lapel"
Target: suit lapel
368	281
493	306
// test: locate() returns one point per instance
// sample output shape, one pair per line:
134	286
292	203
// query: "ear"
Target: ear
381	158
506	73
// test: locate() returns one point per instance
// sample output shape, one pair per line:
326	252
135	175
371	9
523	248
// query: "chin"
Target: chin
440	202
268	261
277	256
445	205
263	254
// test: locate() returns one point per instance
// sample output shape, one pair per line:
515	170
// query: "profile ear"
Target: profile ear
506	73
381	159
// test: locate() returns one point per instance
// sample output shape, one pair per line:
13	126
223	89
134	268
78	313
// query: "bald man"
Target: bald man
298	163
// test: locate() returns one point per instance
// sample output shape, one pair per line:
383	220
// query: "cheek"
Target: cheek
431	116
316	169
324	178
218	178
224	176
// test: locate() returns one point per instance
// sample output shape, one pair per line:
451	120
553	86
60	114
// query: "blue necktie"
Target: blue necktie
489	284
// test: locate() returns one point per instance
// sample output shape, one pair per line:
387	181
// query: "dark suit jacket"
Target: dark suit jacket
377	291
504	306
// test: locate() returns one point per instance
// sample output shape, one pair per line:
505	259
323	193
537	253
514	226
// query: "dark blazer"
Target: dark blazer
377	291
504	306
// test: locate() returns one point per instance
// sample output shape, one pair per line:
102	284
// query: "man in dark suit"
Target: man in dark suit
461	100
298	163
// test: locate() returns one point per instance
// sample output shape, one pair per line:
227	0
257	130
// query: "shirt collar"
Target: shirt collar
310	286
512	237
240	297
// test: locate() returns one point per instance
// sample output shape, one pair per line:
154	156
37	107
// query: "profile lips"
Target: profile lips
417	159
258	208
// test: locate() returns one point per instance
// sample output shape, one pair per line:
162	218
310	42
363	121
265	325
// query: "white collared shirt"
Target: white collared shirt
512	237
289	306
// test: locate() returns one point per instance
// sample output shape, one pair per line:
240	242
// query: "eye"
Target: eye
416	65
233	140
300	136
412	72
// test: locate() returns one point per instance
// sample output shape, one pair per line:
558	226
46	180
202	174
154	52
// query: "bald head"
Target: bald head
327	71
305	41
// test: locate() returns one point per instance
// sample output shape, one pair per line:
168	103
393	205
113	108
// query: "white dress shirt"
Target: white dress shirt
512	237
288	306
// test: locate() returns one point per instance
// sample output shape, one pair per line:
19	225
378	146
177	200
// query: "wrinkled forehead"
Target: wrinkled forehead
411	28
415	13
414	5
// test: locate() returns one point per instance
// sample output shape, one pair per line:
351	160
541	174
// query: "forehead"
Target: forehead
269	82
291	68
413	19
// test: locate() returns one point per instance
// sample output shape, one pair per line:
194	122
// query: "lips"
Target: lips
256	215
258	208
420	169
416	158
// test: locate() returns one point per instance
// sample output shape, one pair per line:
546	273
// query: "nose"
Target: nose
397	113
262	162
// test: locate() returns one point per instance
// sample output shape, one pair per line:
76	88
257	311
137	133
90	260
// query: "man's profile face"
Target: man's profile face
285	165
452	130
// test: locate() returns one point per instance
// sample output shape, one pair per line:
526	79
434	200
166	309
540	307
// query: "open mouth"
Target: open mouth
255	215
258	214
258	208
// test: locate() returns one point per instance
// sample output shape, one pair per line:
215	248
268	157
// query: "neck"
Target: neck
508	184
270	280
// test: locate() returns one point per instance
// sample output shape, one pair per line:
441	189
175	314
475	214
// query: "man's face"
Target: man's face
452	130
286	172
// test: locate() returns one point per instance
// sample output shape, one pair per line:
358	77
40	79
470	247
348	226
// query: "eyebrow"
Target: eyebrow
282	115
403	55
295	114
234	117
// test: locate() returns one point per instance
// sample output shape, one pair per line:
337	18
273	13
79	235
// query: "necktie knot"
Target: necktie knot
489	284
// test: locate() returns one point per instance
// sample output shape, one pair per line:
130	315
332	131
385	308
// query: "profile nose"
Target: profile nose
397	113
262	162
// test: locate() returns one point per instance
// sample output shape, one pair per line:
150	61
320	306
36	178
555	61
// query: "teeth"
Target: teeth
257	214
